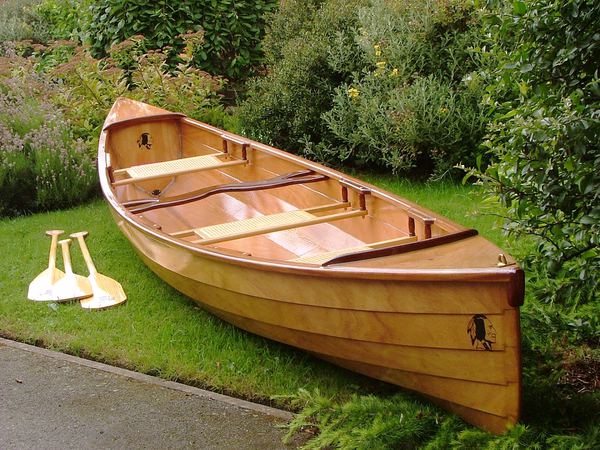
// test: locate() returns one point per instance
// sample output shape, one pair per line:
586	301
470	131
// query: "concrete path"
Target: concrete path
50	400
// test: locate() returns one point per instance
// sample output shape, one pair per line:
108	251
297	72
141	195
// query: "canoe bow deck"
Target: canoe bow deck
302	254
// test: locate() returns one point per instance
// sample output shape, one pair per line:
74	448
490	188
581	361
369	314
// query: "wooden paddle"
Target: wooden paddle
107	292
71	286
41	289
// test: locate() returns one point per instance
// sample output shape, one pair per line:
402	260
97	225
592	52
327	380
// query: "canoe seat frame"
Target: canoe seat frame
181	166
270	223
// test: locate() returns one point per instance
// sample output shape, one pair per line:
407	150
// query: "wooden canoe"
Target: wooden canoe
305	255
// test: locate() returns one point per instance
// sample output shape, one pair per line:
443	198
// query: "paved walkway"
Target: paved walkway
50	400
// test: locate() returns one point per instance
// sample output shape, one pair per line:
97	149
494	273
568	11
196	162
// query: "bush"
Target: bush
546	135
85	88
91	86
417	100
388	84
284	108
65	19
53	104
233	30
42	166
18	21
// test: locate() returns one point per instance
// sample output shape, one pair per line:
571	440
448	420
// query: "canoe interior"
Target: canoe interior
385	220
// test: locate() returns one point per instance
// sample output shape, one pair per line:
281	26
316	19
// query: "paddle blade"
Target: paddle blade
107	293
72	287
42	288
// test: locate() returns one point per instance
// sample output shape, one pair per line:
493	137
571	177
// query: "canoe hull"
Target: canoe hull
457	342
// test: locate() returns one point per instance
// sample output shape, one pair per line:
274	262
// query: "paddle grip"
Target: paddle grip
64	244
84	250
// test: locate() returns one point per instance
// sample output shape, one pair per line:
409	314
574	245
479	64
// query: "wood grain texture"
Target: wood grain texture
423	310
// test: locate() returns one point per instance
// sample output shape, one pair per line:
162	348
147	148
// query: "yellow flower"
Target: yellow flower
353	92
443	110
394	72
377	48
380	64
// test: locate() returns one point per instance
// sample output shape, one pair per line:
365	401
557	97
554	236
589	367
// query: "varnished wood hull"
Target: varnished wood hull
452	335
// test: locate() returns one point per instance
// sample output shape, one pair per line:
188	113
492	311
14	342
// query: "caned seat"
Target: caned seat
224	230
174	167
270	223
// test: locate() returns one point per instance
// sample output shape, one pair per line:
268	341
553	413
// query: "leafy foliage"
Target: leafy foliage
546	136
65	19
417	99
284	107
53	103
401	421
364	422
233	29
18	20
42	165
388	84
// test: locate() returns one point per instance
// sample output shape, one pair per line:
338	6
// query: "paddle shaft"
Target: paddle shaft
86	253
64	244
52	258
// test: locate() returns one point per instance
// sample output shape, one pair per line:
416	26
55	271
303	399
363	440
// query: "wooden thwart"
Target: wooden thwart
174	167
320	258
288	179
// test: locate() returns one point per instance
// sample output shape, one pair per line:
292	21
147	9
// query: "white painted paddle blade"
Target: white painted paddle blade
72	287
107	293
41	289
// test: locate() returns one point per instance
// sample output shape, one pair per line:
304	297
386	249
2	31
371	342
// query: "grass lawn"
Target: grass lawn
161	332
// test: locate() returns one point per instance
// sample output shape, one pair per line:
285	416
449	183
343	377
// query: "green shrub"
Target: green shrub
65	19
284	107
546	135
42	166
387	84
18	20
366	421
90	87
402	421
233	30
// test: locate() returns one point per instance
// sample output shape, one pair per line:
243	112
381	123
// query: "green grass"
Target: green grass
158	331
161	332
